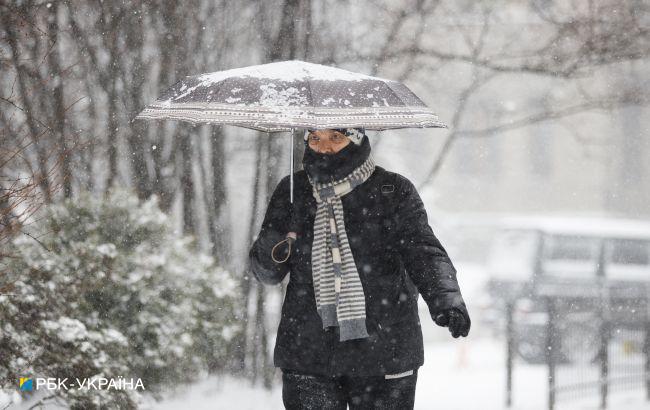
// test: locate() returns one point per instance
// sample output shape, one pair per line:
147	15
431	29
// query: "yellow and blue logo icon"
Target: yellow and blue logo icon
26	384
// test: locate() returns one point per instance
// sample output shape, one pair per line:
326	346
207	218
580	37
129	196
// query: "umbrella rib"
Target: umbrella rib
407	107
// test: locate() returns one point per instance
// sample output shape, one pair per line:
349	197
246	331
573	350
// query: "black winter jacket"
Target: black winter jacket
397	256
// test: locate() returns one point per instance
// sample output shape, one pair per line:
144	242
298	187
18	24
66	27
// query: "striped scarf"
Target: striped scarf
340	300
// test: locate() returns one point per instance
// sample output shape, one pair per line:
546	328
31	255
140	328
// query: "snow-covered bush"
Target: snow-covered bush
110	291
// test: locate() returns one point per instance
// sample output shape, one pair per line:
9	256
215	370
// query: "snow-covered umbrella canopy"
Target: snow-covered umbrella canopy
292	94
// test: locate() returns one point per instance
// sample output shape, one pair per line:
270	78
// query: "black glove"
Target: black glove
279	245
456	319
266	243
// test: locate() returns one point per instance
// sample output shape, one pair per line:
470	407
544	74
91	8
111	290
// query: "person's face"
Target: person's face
327	141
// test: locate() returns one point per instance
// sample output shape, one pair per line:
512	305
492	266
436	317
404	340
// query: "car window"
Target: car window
629	252
571	248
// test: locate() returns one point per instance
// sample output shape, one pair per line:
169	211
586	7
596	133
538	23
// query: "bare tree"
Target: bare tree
576	40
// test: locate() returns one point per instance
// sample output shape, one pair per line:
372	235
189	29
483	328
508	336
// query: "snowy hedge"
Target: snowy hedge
110	291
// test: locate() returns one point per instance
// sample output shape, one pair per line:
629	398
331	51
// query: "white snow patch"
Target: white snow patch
284	97
66	329
115	336
107	249
287	71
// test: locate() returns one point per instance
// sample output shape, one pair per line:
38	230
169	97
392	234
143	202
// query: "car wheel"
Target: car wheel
532	347
580	342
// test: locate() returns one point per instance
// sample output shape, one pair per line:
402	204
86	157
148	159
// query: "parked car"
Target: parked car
588	267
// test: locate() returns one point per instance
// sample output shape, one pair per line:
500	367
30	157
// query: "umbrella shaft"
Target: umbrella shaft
291	166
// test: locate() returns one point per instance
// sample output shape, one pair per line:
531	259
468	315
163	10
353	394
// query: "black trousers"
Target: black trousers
306	391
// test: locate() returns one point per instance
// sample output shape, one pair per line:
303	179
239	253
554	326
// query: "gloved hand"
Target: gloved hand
456	319
271	248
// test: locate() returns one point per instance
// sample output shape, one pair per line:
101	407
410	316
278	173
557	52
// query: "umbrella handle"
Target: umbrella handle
289	240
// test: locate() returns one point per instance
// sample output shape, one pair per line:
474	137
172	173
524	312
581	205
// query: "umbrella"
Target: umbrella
292	94
286	95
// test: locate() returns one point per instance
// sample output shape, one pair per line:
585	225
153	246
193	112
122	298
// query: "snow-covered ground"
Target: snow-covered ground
457	374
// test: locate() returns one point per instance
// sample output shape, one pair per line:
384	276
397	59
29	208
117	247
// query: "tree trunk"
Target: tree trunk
247	276
137	133
58	109
218	221
187	182
163	172
27	107
110	83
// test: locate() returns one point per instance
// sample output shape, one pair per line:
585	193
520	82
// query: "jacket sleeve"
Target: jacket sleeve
274	228
425	259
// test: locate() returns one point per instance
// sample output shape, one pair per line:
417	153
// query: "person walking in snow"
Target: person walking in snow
358	248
